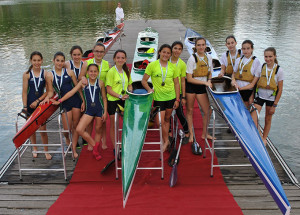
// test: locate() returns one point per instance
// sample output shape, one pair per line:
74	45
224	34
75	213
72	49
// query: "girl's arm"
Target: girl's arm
277	98
251	85
24	89
49	87
83	71
183	100
192	80
145	83
75	82
104	99
177	91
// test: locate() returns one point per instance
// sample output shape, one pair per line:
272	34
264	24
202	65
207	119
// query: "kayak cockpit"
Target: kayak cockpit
147	40
222	85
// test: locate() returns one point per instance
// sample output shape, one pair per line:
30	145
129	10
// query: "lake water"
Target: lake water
50	26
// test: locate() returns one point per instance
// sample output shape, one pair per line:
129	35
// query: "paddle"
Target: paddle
173	150
107	166
196	149
174	176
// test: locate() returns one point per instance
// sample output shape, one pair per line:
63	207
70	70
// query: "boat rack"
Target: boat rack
63	150
118	141
212	146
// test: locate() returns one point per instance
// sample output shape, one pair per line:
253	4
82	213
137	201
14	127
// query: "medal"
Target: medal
269	76
122	80
56	78
162	74
36	86
93	104
240	76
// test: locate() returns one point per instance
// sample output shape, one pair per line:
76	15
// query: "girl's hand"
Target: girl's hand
82	107
45	101
84	81
272	110
54	102
183	101
209	84
176	104
34	104
125	97
221	74
151	91
104	117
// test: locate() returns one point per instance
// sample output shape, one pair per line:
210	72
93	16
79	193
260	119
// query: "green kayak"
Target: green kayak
145	52
135	124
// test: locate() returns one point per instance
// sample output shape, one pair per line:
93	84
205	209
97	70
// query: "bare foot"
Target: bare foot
48	156
209	137
90	147
165	146
104	146
75	155
264	141
34	154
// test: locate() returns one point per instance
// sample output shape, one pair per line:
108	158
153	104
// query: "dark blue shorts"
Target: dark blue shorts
261	102
163	105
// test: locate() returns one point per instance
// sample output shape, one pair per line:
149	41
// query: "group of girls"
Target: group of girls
91	87
97	89
258	83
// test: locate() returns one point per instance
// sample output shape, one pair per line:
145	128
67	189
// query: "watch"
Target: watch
120	96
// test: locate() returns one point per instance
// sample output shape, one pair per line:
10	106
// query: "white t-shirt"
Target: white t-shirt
119	13
267	93
191	65
255	69
223	59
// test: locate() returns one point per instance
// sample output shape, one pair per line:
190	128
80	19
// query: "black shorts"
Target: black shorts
112	106
164	104
246	94
194	88
261	102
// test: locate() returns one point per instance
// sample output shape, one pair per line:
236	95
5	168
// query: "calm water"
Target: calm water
49	26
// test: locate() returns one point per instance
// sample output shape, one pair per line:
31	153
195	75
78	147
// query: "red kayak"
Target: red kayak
107	38
34	122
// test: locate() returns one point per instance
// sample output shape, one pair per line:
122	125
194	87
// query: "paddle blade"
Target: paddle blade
107	166
173	176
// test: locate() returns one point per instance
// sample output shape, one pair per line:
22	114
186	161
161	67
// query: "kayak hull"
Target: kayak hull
34	122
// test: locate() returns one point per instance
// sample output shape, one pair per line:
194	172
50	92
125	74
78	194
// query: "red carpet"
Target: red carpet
196	192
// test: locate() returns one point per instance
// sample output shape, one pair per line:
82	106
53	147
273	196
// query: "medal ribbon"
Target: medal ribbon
162	72
99	69
36	86
236	52
122	79
81	63
61	80
269	76
94	93
241	69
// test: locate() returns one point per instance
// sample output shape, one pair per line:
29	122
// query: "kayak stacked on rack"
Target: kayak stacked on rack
108	38
145	52
189	41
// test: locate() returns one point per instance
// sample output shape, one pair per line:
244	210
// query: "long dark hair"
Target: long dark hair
162	47
124	67
248	42
31	56
177	43
198	38
74	48
272	49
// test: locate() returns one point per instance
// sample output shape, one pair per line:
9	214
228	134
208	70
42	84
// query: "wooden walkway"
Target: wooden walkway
38	191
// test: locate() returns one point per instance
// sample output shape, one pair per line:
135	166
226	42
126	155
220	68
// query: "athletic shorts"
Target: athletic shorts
261	102
164	104
246	94
112	106
195	88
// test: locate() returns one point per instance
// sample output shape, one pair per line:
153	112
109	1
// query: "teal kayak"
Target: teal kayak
135	124
145	52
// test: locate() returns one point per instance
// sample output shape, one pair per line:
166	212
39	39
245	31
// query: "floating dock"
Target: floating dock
39	190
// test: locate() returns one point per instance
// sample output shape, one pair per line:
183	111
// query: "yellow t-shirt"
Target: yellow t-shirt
182	71
166	92
114	79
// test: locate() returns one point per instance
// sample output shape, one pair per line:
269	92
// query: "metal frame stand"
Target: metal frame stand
118	144
212	147
21	150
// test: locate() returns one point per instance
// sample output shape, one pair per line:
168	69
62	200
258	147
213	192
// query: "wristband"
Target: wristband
120	96
274	105
178	100
25	106
183	97
59	100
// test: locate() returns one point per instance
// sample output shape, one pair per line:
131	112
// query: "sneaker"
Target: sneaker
78	146
185	140
196	149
